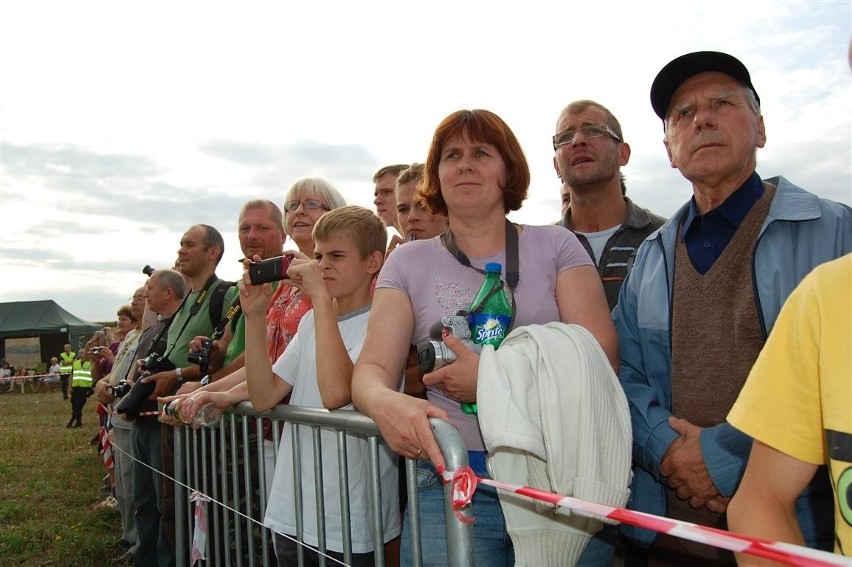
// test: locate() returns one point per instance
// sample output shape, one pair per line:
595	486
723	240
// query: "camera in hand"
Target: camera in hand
148	270
119	389
434	354
270	270
132	402
202	357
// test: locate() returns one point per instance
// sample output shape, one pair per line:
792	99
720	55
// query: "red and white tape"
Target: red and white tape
463	490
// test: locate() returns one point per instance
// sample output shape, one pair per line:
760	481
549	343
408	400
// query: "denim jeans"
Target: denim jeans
492	545
600	549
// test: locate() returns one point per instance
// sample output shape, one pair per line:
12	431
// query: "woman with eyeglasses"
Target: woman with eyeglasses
475	173
305	202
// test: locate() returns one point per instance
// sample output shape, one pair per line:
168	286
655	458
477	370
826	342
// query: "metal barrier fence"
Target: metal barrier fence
232	465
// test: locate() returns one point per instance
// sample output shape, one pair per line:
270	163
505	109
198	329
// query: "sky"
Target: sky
122	124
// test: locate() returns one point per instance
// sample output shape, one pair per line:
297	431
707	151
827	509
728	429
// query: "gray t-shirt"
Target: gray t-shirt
437	285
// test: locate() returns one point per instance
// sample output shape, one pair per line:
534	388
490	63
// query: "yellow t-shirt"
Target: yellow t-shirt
798	396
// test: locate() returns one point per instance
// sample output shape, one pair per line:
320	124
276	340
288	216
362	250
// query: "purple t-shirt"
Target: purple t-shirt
437	285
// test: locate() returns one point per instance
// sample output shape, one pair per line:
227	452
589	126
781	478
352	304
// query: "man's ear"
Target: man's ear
375	261
214	251
669	152
761	132
623	153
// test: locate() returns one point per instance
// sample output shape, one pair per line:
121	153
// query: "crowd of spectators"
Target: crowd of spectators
678	309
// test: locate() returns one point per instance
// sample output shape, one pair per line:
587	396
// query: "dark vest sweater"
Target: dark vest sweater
716	337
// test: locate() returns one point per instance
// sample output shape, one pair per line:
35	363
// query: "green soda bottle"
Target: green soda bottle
490	316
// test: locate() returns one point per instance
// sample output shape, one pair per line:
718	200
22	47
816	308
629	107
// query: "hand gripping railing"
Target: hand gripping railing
224	463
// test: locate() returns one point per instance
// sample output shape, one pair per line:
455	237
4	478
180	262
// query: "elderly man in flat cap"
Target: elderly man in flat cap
703	296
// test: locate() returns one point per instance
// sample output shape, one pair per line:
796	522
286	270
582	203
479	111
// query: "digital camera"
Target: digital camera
132	402
434	354
148	270
202	357
270	270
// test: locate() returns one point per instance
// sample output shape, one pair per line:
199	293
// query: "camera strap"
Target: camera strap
192	310
513	274
159	336
233	312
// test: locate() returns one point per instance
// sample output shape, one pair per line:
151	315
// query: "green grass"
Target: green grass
50	480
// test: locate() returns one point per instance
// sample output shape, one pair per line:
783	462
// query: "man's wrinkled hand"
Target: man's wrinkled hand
683	465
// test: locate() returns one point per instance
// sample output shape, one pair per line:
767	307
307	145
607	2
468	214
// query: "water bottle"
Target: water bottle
489	317
208	414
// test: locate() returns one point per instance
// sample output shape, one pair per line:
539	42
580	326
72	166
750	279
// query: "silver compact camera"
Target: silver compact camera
434	354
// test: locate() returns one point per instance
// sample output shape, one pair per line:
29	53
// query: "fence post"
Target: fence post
460	550
181	497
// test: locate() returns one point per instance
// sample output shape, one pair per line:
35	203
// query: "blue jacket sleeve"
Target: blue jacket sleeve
725	450
644	376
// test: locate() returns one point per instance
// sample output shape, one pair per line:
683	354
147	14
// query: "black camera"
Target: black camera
271	270
134	400
148	270
434	354
202	357
119	389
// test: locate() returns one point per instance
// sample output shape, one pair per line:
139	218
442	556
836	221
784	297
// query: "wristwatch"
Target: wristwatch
179	374
205	380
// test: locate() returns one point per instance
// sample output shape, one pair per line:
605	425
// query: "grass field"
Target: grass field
50	480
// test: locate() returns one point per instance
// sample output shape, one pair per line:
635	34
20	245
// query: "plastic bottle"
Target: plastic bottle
490	315
207	415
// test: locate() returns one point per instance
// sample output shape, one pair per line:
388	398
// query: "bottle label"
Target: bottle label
488	328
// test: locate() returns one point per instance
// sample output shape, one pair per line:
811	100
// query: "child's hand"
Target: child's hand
307	275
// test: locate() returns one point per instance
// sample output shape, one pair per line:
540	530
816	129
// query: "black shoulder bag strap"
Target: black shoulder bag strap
513	273
192	310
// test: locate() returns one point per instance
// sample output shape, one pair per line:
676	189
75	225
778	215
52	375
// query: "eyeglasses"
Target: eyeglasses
137	298
590	131
310	204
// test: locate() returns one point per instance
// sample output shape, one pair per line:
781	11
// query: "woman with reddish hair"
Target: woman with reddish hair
475	173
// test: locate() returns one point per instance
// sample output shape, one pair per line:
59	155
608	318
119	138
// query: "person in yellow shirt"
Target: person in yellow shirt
797	405
66	362
81	387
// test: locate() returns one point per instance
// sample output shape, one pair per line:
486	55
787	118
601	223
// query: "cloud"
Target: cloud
278	165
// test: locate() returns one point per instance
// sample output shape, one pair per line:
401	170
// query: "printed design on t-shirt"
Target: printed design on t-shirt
452	296
839	446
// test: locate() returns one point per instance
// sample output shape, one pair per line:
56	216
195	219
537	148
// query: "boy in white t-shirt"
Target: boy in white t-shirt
316	370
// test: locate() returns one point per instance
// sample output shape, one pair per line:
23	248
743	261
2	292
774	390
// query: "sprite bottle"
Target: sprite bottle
489	317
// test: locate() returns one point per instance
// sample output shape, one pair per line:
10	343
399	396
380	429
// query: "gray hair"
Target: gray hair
173	280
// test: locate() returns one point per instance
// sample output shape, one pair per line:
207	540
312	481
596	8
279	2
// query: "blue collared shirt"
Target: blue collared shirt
707	235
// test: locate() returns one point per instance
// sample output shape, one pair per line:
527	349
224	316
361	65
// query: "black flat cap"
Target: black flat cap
679	70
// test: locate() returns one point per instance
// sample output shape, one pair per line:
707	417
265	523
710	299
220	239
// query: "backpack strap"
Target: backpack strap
217	301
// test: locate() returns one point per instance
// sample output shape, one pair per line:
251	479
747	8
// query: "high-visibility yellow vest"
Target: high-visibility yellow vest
66	362
82	374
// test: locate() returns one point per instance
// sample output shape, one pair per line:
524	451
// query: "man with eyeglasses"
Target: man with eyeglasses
590	151
701	299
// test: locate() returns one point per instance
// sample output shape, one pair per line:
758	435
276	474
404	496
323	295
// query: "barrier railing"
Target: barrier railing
231	465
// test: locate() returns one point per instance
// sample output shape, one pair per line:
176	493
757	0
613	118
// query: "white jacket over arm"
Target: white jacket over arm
554	417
